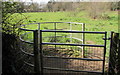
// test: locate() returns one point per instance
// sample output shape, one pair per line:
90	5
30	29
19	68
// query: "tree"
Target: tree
114	6
11	17
50	6
98	9
11	13
34	7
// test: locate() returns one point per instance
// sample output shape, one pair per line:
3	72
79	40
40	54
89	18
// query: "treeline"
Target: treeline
71	6
53	6
94	9
30	7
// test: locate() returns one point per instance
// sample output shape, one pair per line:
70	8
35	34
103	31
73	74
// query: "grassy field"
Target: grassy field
108	25
91	24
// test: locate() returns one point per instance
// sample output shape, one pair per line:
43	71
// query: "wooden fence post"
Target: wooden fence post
118	62
114	57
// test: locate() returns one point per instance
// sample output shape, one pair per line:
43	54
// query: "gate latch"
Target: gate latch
106	38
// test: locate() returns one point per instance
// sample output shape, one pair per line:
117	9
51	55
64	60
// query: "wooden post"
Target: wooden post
114	57
118	56
36	53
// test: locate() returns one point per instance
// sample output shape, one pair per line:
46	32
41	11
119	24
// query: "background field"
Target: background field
108	25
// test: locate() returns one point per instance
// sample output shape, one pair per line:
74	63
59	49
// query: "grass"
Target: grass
91	24
108	25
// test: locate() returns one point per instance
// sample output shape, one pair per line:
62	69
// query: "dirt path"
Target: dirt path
83	65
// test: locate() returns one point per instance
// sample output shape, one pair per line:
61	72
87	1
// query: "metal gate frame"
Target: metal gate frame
50	68
38	53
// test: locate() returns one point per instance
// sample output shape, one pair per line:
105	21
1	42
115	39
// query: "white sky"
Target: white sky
45	1
73	0
38	1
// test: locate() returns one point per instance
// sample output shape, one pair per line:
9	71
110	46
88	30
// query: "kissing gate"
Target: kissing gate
63	50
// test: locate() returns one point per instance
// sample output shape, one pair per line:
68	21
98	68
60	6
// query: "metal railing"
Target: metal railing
38	50
42	43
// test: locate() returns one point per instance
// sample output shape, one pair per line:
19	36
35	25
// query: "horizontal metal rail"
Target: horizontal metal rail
73	44
49	68
73	31
76	38
87	59
53	36
20	27
30	54
29	64
26	41
26	29
62	22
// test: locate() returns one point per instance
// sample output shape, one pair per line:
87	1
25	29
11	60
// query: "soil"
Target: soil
73	64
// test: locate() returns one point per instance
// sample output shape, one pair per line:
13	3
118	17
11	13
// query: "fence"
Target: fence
114	57
87	64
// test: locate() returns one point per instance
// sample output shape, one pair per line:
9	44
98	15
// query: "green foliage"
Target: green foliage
11	17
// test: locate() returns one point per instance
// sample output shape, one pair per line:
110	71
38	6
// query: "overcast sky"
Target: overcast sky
45	1
38	1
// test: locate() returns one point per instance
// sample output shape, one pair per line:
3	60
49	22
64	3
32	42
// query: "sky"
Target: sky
46	1
38	1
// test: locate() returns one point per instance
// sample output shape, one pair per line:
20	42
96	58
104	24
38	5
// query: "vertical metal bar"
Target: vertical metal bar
55	34
41	53
38	34
70	33
109	65
104	53
83	42
36	53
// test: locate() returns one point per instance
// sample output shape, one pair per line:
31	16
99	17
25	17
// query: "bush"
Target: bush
10	45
